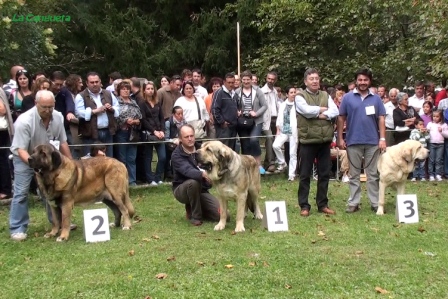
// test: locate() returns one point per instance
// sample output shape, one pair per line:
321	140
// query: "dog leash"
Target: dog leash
370	162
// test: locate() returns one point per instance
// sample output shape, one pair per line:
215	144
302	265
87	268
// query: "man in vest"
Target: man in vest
316	110
96	109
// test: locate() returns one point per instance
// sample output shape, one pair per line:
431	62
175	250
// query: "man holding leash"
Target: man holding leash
365	137
190	183
39	125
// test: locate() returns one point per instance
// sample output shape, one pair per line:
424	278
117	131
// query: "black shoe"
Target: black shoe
195	222
352	209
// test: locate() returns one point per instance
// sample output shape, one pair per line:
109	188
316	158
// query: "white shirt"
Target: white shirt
309	111
86	113
191	109
417	103
389	115
271	96
200	91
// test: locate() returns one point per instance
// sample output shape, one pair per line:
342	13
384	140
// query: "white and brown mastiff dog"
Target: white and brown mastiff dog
235	177
395	165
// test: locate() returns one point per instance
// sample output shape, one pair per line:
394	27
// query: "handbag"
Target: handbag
245	122
148	136
3	123
134	135
198	125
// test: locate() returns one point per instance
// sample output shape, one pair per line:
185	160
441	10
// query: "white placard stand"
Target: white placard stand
96	225
275	218
407	208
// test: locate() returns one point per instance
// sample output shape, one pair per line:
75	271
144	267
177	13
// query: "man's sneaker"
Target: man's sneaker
281	167
431	179
271	168
195	222
352	209
291	178
423	180
73	226
153	183
345	178
413	180
439	178
18	236
159	183
262	171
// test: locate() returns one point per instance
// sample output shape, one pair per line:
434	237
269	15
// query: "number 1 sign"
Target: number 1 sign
96	225
275	219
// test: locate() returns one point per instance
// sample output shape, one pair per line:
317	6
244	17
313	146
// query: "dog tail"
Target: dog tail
128	204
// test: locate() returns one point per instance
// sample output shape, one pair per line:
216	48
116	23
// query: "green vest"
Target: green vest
314	130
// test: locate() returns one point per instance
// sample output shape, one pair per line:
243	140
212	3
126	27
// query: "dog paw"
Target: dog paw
60	239
220	226
380	211
126	228
258	216
49	235
111	224
239	229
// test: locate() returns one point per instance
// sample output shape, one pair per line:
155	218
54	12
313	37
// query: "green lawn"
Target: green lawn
342	256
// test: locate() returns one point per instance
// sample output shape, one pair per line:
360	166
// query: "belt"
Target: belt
103	129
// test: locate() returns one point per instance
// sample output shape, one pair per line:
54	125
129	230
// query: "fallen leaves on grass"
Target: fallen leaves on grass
201	264
381	290
396	225
161	276
265	264
313	241
359	252
229	266
233	233
36	234
148	297
171	258
131	252
155	237
288	286
321	234
137	219
421	229
252	264
146	240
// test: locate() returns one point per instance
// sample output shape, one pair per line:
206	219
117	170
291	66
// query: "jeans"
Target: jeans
419	170
127	154
435	166
309	153
161	158
105	137
371	155
250	146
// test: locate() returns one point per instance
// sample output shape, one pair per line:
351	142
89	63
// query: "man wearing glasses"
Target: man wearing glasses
39	125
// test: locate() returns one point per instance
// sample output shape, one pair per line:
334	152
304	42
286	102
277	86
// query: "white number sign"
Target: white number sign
96	225
407	209
275	219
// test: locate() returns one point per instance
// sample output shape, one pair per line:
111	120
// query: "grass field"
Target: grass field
342	256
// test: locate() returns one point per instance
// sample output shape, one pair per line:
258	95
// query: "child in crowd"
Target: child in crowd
287	131
427	113
96	150
420	133
438	130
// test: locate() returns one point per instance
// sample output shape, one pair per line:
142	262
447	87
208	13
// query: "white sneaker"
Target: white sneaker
159	183
431	179
423	180
439	178
153	183
18	236
345	178
281	167
291	178
413	180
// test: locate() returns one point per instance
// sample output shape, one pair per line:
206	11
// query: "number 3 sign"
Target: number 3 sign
96	225
407	209
275	219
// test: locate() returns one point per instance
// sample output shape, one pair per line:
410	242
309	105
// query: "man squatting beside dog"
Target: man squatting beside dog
190	183
39	125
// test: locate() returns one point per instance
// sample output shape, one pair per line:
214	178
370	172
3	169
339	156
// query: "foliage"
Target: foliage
342	256
26	43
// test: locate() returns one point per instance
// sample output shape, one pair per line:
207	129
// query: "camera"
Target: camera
246	114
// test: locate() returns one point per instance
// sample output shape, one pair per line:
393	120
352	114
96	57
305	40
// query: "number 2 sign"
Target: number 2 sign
407	209
275	219
96	225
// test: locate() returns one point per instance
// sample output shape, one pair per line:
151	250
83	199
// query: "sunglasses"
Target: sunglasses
22	71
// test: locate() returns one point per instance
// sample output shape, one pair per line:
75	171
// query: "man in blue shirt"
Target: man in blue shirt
364	115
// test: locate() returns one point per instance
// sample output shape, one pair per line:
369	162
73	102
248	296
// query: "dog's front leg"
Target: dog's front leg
381	199
66	216
56	223
223	214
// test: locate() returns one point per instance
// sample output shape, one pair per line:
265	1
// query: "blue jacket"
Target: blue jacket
224	107
185	167
65	104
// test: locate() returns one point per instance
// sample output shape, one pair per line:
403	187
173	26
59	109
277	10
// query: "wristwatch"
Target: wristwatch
382	139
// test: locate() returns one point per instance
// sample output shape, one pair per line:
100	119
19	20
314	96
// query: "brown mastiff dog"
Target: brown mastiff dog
395	165
235	177
65	183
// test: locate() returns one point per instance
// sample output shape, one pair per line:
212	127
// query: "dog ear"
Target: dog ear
408	155
56	159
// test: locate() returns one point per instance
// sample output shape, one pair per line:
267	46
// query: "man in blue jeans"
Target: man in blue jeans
39	125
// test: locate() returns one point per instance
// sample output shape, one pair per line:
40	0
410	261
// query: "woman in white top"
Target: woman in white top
195	112
287	131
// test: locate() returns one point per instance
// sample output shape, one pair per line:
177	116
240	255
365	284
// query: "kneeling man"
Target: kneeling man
190	183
